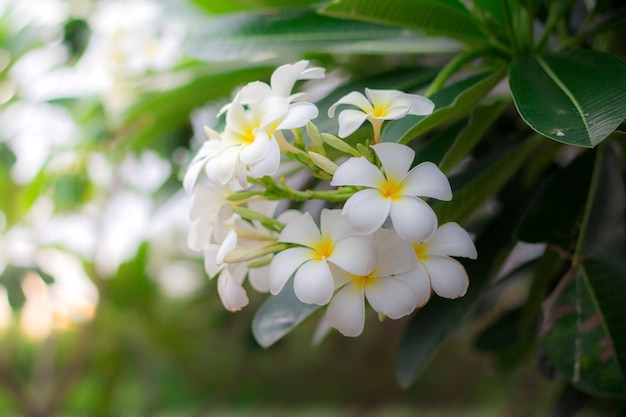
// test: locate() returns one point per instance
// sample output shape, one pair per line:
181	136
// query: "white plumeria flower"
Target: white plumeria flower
378	106
209	213
248	142
335	242
209	149
281	83
394	194
384	291
436	268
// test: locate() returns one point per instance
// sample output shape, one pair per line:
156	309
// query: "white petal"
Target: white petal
346	311
413	220
313	283
367	210
299	114
355	254
334	226
358	171
349	121
452	240
284	77
382	99
260	278
257	150
391	297
420	106
419	281
231	292
203	200
396	256
269	164
200	233
224	165
301	230
427	180
285	264
254	92
356	99
229	243
394	113
210	265
395	158
447	276
270	110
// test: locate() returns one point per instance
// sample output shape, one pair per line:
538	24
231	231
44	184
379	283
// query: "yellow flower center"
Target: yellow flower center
391	189
362	281
324	249
421	250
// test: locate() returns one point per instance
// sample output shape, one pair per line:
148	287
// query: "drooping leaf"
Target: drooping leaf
584	326
278	315
440	17
11	278
575	97
266	33
451	103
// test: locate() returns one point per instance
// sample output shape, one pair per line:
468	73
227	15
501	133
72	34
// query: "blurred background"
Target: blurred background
103	309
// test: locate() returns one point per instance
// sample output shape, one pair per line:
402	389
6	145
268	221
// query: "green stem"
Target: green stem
452	67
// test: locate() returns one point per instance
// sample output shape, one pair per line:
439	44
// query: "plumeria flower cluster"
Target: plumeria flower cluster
376	242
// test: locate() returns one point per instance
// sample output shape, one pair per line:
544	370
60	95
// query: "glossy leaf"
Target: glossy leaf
584	327
266	33
278	315
441	17
451	103
574	97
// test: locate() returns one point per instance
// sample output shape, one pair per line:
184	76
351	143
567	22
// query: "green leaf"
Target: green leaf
11	279
480	120
575	97
264	33
278	315
441	17
451	103
475	186
584	327
218	7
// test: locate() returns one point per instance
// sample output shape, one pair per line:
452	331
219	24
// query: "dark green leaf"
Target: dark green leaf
264	33
584	327
480	120
502	334
575	97
278	315
475	186
451	103
441	17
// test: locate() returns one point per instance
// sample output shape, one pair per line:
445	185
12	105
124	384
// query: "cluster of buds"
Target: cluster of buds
376	239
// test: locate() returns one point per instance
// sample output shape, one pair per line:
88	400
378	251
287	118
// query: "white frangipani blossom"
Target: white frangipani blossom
281	83
335	242
394	193
435	267
378	106
384	291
